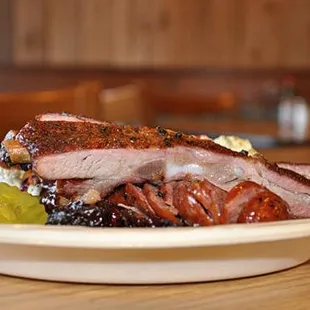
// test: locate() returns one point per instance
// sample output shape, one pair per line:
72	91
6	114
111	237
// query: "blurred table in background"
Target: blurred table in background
263	134
227	125
297	154
251	88
248	84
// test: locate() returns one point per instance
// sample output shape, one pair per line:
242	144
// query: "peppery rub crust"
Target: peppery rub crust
61	137
301	168
286	172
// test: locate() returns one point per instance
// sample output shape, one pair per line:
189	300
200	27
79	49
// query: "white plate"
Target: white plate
161	255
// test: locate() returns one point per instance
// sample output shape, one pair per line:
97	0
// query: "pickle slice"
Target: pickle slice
18	207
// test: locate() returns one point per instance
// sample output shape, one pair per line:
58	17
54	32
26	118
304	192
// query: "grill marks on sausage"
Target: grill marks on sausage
188	202
212	199
157	203
199	202
237	199
135	197
189	207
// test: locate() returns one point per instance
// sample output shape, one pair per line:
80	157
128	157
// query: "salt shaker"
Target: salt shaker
300	119
285	110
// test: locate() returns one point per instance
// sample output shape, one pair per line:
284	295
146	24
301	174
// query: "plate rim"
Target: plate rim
152	238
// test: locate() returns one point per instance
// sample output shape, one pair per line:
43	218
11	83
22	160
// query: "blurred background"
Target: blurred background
202	66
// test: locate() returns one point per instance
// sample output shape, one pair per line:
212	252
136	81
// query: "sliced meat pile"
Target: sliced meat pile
156	175
177	203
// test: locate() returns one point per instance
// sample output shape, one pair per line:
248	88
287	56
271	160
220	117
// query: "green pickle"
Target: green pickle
18	207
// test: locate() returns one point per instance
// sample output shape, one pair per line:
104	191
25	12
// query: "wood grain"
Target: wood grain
60	27
91	47
28	32
175	33
286	290
5	32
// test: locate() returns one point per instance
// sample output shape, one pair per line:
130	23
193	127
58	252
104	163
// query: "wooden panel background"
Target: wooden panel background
5	32
155	33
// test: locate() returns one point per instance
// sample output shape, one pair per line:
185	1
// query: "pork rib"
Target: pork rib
303	169
104	155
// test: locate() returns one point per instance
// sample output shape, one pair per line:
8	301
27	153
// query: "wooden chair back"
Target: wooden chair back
187	103
19	107
123	104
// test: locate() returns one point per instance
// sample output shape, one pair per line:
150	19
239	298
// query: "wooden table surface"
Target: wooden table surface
285	290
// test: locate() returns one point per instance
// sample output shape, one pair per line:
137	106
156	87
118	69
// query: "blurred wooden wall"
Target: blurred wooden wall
5	32
174	33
